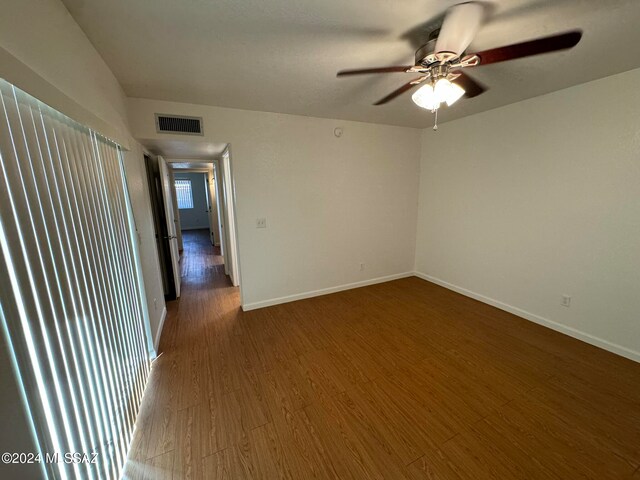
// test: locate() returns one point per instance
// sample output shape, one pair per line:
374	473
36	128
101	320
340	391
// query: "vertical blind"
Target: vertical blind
70	291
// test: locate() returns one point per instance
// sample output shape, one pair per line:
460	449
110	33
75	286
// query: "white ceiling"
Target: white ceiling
282	55
189	164
189	148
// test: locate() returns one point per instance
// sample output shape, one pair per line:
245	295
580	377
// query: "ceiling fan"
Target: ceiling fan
439	63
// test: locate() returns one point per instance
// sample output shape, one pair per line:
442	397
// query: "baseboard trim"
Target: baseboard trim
156	341
323	291
572	332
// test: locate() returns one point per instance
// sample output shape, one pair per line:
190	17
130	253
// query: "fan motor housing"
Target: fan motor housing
425	55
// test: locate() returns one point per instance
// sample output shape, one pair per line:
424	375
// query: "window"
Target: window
184	194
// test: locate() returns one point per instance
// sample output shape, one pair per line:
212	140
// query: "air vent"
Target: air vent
178	124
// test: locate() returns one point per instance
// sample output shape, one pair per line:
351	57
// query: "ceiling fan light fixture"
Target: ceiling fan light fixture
444	57
431	96
441	89
425	97
449	92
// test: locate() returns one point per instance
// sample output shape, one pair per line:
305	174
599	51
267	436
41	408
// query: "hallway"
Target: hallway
398	380
199	261
195	338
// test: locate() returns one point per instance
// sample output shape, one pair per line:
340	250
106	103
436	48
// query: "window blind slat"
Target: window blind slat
71	300
74	270
20	309
30	281
94	288
79	157
55	268
126	233
118	219
107	242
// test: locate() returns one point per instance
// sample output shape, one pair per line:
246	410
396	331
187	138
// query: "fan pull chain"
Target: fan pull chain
435	122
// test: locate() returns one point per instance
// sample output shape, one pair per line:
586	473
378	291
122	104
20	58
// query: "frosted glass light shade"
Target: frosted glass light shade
425	97
430	97
454	94
441	88
448	92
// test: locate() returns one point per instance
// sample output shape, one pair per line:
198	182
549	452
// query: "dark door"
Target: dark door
160	225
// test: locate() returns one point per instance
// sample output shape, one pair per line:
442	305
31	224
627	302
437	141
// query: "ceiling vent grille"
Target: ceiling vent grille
178	124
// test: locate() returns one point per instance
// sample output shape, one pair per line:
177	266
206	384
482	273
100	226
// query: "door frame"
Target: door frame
227	215
228	247
212	206
160	226
232	230
168	194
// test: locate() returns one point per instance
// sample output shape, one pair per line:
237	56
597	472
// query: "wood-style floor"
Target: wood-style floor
402	380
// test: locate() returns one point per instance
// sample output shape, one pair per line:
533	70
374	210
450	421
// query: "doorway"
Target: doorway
192	200
201	199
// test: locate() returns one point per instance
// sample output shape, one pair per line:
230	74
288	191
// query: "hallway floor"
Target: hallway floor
397	380
199	261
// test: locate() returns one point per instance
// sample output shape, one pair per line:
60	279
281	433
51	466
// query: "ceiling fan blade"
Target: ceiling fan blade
553	43
363	71
472	87
460	27
404	88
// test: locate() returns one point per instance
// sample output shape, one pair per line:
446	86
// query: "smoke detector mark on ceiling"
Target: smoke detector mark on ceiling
178	124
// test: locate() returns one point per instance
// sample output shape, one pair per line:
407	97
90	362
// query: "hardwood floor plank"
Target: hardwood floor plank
321	374
305	455
226	465
159	467
267	454
366	402
434	466
223	423
397	380
348	455
365	439
286	387
545	438
156	423
596	415
187	456
473	455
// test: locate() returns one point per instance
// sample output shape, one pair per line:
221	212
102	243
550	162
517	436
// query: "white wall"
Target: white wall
330	203
534	200
44	52
42	35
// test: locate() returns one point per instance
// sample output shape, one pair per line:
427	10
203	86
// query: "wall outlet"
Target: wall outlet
261	223
566	301
362	267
